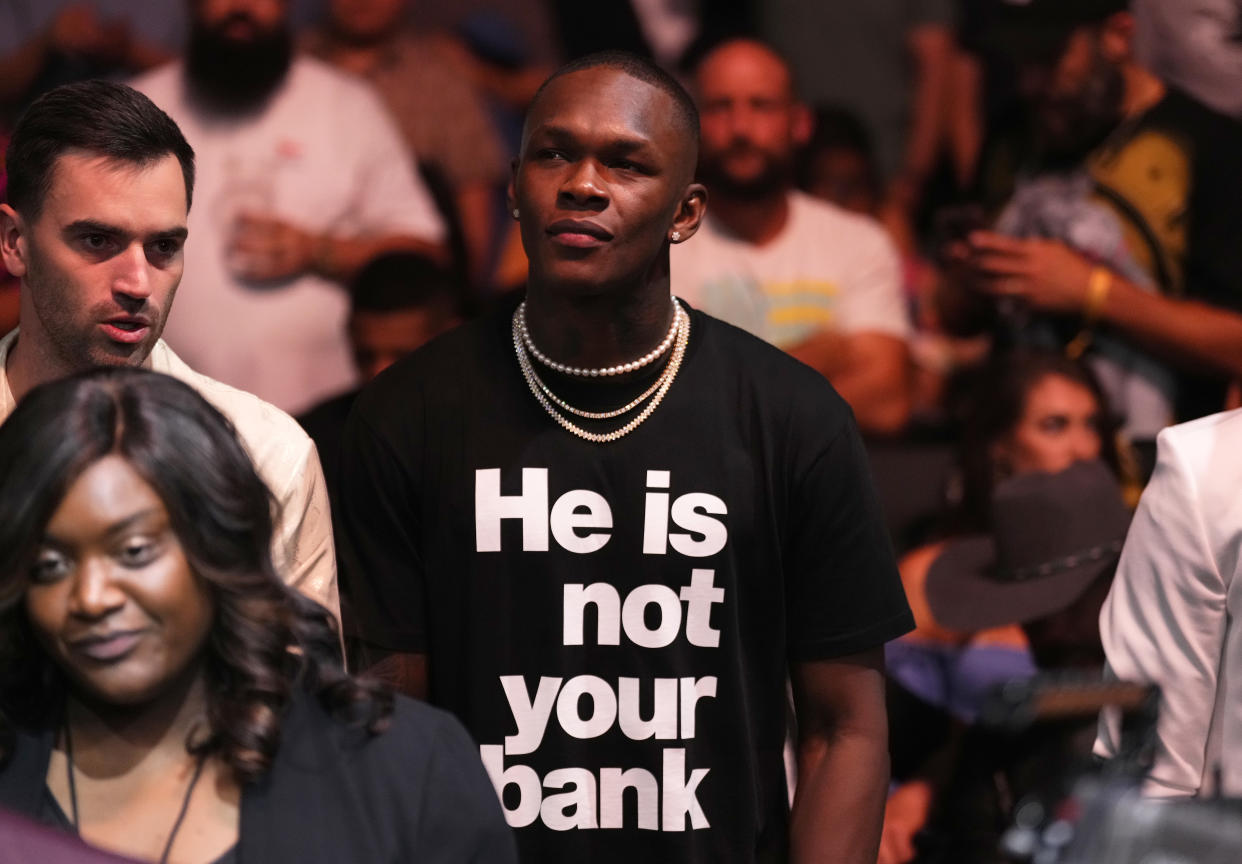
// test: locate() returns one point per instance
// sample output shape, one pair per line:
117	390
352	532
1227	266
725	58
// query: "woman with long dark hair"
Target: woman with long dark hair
162	693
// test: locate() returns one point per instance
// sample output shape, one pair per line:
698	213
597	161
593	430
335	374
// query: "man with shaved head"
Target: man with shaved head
811	278
605	528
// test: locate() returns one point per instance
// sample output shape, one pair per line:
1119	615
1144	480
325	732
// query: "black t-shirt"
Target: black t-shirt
325	424
614	622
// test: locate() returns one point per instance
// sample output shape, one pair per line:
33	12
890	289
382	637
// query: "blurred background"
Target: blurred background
1026	220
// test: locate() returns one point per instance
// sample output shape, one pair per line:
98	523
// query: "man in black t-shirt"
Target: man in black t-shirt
1126	242
609	575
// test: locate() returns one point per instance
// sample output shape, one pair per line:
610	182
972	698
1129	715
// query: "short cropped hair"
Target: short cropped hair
399	281
636	66
759	45
98	117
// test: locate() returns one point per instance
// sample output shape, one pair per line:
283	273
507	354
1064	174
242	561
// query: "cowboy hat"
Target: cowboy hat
1052	536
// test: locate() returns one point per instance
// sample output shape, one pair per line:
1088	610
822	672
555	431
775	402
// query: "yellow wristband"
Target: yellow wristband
1098	285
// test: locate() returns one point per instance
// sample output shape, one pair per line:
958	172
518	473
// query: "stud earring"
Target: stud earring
516	213
676	236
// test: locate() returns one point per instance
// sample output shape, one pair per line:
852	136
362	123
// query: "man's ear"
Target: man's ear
13	241
690	212
511	188
1117	37
803	124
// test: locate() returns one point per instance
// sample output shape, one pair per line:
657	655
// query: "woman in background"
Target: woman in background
162	693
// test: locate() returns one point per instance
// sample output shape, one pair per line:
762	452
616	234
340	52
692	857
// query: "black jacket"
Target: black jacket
418	792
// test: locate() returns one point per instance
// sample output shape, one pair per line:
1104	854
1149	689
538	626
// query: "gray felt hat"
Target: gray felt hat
1052	536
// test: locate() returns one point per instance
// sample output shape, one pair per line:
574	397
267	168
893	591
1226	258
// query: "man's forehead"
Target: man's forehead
605	101
91	185
744	65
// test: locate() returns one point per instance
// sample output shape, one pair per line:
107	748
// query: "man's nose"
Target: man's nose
741	120
583	185
132	274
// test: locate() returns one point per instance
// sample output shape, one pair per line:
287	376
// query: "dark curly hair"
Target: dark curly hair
266	639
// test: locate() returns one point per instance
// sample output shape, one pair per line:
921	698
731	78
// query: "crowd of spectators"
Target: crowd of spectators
1009	234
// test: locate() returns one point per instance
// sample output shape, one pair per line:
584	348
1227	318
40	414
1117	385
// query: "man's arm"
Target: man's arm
843	768
475	203
406	673
929	47
304	553
380	552
865	355
1051	277
871	371
268	249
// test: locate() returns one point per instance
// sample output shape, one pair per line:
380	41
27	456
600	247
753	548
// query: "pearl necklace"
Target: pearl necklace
545	397
620	369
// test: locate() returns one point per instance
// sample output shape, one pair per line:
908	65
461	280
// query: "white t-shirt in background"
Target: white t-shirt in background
323	155
827	269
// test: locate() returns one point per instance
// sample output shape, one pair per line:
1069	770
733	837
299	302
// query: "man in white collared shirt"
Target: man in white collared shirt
99	188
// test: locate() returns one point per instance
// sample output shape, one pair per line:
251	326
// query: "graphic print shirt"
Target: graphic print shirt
614	623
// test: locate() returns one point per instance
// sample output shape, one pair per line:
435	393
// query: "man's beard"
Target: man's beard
1068	129
773	178
235	75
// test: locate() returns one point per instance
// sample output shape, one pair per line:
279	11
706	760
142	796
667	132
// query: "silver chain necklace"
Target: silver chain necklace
681	337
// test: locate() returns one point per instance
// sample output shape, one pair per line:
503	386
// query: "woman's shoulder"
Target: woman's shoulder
417	782
411	733
431	749
419	728
23	768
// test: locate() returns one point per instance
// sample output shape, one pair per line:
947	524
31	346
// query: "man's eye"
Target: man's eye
550	155
95	242
165	248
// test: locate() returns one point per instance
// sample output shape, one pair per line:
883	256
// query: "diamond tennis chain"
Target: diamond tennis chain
678	337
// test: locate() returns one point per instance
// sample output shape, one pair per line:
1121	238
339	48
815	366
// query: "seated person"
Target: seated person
1047	565
1120	241
813	279
1032	412
837	164
163	693
425	80
398	301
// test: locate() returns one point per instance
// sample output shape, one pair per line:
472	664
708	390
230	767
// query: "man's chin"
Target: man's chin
745	186
585	280
117	355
